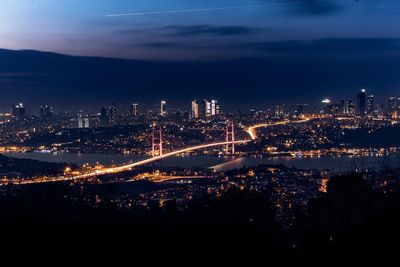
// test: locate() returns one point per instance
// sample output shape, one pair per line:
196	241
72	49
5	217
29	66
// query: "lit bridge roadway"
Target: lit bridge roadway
251	131
114	170
129	167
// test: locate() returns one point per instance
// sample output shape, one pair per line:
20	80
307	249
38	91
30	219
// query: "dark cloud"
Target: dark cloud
313	7
329	47
196	30
159	45
174	46
336	47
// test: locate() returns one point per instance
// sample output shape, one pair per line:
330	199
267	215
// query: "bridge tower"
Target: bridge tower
230	137
157	140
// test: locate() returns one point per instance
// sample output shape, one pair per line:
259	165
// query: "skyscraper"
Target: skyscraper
380	110
83	121
207	109
163	108
80	120
392	104
18	111
349	107
211	108
300	110
326	106
343	107
103	117
361	103
280	111
46	112
134	110
195	109
370	105
86	122
215	108
113	114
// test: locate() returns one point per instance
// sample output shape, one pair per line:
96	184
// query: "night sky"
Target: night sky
244	52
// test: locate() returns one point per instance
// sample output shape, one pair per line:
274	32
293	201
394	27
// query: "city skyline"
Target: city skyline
198	107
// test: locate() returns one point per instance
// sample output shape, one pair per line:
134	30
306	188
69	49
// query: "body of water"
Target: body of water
338	164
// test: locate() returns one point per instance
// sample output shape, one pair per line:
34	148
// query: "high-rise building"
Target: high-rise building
300	110
46	112
207	108
86	122
80	120
18	111
362	103
163	108
326	106
392	104
370	105
113	114
215	108
134	110
211	108
83	121
349	107
279	111
104	120
195	109
342	107
380	110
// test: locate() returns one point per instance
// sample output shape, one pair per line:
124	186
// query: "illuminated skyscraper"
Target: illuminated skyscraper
392	104
163	108
83	121
18	111
280	111
134	110
348	107
86	122
370	105
113	114
80	120
207	109
211	108
215	108
326	106
361	103
195	109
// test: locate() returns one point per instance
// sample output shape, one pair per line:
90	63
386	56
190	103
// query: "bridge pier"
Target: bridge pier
157	140
230	138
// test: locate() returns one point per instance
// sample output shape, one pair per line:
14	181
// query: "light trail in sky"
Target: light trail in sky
182	11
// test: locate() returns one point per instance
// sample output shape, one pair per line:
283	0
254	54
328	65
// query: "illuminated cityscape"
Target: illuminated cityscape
269	126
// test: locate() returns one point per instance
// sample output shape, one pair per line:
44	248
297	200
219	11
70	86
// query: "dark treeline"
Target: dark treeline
13	167
351	216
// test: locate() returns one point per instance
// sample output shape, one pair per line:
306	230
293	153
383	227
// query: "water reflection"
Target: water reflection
338	164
